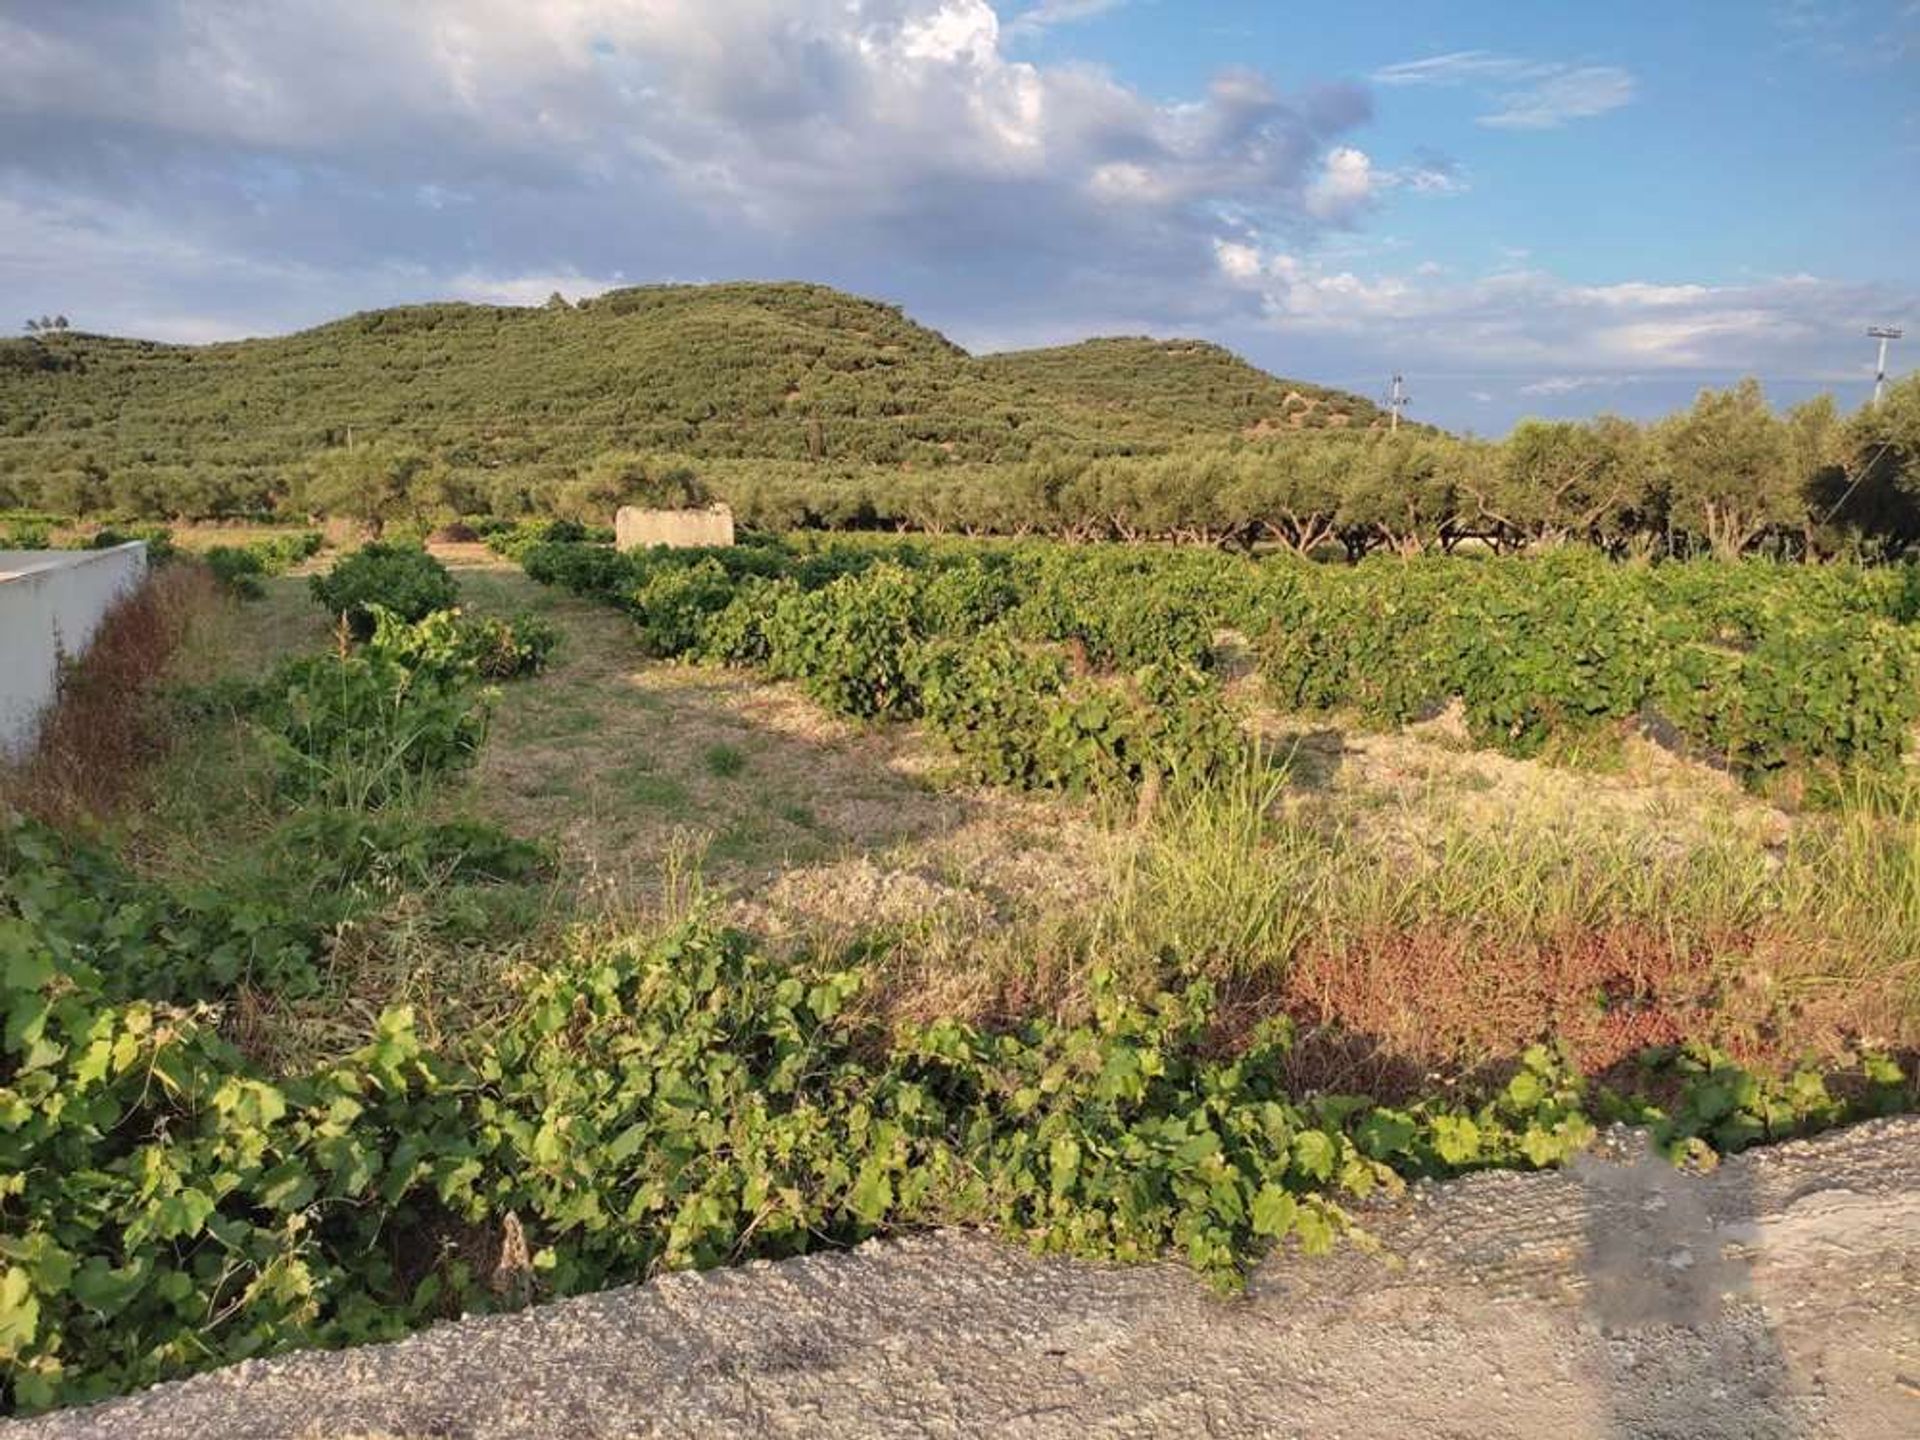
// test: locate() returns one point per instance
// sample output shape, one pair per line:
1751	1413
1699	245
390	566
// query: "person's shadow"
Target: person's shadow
1678	1331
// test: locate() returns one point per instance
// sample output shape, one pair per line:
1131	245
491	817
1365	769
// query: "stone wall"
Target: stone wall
51	602
636	529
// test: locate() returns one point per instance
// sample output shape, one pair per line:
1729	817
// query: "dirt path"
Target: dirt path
634	765
634	768
1779	1296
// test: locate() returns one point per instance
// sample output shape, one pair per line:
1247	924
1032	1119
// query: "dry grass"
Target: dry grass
613	759
107	725
1441	944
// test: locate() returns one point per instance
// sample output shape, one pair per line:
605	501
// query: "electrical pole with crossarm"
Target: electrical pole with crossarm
1882	333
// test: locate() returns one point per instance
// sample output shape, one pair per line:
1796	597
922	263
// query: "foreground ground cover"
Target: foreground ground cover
1499	1306
400	1063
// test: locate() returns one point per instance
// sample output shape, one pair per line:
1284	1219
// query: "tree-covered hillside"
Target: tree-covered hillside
789	371
1154	388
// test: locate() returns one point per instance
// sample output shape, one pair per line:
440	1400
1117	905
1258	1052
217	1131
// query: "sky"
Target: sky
1540	209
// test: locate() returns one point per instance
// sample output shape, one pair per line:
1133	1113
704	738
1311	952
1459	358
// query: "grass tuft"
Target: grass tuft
724	761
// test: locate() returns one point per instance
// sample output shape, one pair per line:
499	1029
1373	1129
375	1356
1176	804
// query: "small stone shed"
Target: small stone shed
636	529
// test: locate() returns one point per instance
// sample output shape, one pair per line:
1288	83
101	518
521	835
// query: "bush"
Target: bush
676	489
851	644
408	582
455	645
674	607
595	571
238	570
1765	669
360	731
280	553
991	700
157	538
515	540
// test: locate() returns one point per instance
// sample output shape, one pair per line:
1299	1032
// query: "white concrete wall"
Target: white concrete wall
51	602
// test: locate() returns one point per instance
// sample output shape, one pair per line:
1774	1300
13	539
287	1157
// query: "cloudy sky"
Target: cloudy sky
1549	209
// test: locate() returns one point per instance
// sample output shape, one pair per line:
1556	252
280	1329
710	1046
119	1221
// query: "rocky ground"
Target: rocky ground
1777	1296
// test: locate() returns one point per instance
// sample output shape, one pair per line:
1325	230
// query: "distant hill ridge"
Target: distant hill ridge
788	371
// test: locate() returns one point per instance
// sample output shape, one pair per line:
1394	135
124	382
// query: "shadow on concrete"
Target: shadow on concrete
1666	1292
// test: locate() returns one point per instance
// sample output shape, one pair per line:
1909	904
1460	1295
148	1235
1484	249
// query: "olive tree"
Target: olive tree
372	483
1731	469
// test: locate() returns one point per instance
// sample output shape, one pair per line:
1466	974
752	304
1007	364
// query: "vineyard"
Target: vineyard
303	1045
1074	668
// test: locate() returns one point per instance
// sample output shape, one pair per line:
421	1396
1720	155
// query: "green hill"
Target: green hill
1171	388
774	371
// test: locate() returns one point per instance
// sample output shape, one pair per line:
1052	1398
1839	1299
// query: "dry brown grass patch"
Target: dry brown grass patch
107	724
1433	1000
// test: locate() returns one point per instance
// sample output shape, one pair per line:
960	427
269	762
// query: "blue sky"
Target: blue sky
1527	209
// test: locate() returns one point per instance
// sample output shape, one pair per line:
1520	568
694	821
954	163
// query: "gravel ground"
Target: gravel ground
1777	1296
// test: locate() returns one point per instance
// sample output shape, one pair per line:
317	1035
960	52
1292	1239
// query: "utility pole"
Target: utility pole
1397	401
1882	333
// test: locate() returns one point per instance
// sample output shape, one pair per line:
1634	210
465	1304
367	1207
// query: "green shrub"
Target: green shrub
1905	607
454	645
238	570
596	571
850	644
280	553
1716	659
990	698
157	538
408	582
1761	668
360	731
673	607
515	540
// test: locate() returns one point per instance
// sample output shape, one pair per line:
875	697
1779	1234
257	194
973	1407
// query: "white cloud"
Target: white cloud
1240	263
851	140
1574	384
1345	186
1581	336
1525	94
1637	295
486	289
1571	95
1048	13
1428	180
